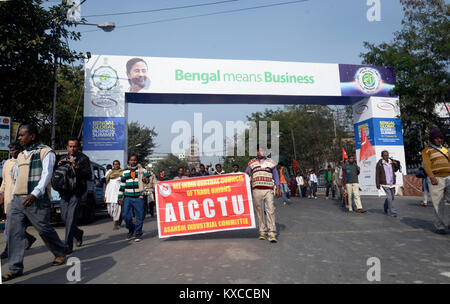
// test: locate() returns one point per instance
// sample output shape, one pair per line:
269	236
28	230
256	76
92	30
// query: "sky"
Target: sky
322	31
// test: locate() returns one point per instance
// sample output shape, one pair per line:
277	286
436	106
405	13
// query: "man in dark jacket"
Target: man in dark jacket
385	177
350	173
70	200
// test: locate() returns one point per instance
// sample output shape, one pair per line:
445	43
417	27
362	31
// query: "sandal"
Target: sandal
11	275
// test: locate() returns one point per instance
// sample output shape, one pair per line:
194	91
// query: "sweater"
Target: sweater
129	187
435	163
7	187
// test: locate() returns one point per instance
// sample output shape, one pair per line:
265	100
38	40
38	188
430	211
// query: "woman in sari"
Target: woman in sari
112	192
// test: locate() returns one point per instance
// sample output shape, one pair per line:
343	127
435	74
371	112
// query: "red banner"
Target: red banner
204	204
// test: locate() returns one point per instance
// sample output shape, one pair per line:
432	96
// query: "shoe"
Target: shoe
79	242
59	260
326	197
394	215
262	235
284	204
315	197
423	204
116	226
350	211
272	238
11	275
30	241
441	231
138	239
362	211
130	236
4	255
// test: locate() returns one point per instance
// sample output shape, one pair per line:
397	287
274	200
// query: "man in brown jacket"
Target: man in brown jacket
385	177
437	167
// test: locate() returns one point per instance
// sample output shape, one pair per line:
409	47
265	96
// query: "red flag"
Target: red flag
367	149
295	164
344	154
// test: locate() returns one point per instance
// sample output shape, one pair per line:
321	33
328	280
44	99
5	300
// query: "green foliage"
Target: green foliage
69	110
307	134
420	55
141	141
170	164
30	37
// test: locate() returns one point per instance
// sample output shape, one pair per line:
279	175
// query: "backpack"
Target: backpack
64	177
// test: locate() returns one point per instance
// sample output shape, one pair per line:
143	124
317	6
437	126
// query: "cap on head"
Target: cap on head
435	133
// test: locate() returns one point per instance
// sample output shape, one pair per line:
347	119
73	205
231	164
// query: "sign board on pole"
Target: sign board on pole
5	132
204	204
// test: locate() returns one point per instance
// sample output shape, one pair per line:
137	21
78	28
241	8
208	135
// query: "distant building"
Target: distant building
193	154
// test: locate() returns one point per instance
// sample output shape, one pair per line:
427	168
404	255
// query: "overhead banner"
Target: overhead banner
113	81
204	204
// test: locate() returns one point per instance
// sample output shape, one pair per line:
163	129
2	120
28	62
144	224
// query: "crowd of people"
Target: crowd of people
32	170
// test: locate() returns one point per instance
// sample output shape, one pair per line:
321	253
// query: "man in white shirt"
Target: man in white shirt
300	183
313	184
30	202
219	170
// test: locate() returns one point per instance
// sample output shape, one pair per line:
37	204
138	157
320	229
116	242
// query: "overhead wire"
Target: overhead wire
161	9
204	15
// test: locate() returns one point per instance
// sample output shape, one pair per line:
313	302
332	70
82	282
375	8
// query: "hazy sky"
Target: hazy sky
325	31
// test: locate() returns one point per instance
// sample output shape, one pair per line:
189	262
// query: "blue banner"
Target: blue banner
380	131
104	133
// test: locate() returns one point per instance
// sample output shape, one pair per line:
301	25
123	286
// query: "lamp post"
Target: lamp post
107	27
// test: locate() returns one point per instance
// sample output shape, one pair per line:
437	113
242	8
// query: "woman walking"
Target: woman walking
112	193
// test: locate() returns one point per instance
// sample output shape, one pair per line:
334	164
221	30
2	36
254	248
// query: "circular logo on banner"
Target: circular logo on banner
104	102
165	190
361	109
386	106
369	80
105	78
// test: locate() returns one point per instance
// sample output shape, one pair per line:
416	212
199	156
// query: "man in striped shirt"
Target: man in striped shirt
131	196
264	177
437	167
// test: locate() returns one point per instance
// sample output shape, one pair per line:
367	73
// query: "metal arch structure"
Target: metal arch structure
112	82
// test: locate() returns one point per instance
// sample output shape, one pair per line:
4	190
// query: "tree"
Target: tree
69	111
30	38
306	134
170	164
419	53
141	141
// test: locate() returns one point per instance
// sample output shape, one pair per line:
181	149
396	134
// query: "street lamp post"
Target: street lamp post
107	27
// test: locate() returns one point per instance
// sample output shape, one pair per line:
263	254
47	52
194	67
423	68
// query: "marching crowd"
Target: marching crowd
32	170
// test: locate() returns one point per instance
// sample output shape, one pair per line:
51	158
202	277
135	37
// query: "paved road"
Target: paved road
319	242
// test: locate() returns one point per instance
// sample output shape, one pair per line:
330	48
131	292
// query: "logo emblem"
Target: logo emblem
369	80
361	109
105	78
104	102
386	106
165	190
